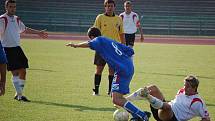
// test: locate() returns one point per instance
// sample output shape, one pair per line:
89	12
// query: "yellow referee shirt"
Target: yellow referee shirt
110	26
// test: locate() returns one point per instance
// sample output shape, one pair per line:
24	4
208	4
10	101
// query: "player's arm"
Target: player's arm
79	45
121	32
122	38
41	33
2	27
141	33
199	107
138	24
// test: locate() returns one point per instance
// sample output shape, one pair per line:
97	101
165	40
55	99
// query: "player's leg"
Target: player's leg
15	81
130	38
110	78
100	63
3	67
17	64
22	77
161	110
2	78
120	86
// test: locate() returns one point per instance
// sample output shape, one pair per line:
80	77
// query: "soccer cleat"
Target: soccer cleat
22	98
16	97
146	118
134	119
95	92
148	114
143	92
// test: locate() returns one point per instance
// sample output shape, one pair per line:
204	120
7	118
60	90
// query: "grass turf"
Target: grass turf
60	80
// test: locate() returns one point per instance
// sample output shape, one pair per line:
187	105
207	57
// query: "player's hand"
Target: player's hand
71	45
141	39
43	34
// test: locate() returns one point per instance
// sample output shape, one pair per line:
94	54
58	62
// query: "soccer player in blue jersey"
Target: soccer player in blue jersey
118	57
3	61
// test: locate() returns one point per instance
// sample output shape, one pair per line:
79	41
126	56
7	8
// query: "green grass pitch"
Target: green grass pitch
60	80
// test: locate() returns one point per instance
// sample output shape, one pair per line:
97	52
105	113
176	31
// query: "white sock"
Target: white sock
21	84
155	102
134	96
15	80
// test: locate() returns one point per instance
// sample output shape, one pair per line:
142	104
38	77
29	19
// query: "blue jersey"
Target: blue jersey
117	55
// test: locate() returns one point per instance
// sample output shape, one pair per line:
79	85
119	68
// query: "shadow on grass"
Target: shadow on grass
39	69
179	75
76	107
210	105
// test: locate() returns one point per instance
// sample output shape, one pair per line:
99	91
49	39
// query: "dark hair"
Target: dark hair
9	1
109	1
193	81
93	31
127	2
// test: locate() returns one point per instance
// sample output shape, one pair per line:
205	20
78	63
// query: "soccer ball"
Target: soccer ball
120	115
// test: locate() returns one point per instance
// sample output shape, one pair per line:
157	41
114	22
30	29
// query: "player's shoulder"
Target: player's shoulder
181	91
100	15
134	13
3	16
117	17
122	14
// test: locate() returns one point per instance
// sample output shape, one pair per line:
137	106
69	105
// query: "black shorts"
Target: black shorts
98	60
156	117
173	118
16	58
130	38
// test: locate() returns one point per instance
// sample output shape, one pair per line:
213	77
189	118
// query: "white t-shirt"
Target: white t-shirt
10	36
186	107
130	22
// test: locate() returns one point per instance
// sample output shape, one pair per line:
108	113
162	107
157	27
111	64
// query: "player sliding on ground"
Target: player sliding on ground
118	56
186	105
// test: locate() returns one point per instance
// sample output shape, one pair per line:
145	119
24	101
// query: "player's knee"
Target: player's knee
153	89
117	100
99	70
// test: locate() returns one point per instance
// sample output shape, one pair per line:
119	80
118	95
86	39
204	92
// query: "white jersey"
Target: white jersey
186	107
10	29
130	22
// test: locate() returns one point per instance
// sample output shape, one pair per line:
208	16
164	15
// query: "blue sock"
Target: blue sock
135	112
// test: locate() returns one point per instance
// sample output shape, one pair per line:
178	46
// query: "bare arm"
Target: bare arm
141	33
79	45
41	33
122	38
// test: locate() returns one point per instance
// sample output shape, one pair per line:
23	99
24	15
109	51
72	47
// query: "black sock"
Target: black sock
110	78
97	80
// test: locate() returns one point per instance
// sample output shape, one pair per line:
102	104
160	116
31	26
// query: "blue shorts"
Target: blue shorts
121	83
3	59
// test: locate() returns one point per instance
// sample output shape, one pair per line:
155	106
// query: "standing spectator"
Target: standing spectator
111	26
11	26
131	22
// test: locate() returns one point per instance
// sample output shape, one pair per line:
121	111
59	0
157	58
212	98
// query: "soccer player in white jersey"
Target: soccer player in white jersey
10	28
131	23
186	105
